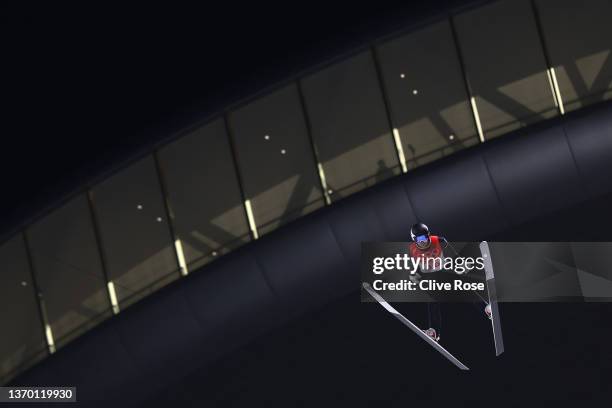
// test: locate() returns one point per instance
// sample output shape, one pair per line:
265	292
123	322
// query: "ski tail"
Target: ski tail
492	292
413	327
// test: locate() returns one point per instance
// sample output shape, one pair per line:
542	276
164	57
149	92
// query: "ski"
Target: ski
413	327
492	292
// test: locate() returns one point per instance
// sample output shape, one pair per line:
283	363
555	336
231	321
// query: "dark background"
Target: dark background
357	355
85	88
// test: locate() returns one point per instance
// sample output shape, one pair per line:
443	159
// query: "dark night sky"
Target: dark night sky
85	88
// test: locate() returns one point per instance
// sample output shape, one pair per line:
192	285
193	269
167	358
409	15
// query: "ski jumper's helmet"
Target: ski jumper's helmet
419	232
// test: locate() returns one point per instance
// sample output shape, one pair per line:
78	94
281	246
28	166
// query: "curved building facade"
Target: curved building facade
338	155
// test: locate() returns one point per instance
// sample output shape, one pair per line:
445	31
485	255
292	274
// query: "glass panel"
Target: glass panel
69	271
136	240
427	96
578	37
22	341
203	194
275	157
350	126
505	65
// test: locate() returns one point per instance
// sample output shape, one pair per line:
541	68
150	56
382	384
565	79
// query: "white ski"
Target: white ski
413	327
492	291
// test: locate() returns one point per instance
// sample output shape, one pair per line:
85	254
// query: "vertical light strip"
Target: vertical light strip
324	184
556	91
178	245
49	336
477	119
552	87
552	77
249	211
39	297
112	294
400	150
48	331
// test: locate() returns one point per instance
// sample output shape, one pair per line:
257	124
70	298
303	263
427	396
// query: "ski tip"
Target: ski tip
484	246
365	285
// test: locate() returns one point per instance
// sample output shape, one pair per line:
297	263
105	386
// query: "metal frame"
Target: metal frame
176	242
550	71
313	146
48	333
399	148
466	81
246	200
112	295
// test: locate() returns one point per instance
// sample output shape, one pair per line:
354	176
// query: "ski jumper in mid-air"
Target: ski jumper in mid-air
428	247
431	247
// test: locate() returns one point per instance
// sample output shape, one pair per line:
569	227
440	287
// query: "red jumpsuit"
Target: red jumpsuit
432	252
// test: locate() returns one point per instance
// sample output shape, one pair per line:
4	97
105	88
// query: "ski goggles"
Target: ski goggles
422	238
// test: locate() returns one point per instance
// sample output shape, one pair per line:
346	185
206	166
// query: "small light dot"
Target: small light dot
283	151
415	91
139	206
159	219
24	283
451	137
214	253
402	76
330	191
267	137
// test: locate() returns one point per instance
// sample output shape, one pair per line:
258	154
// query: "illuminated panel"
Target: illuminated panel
22	342
353	137
275	156
204	198
505	66
68	270
427	94
578	37
138	247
